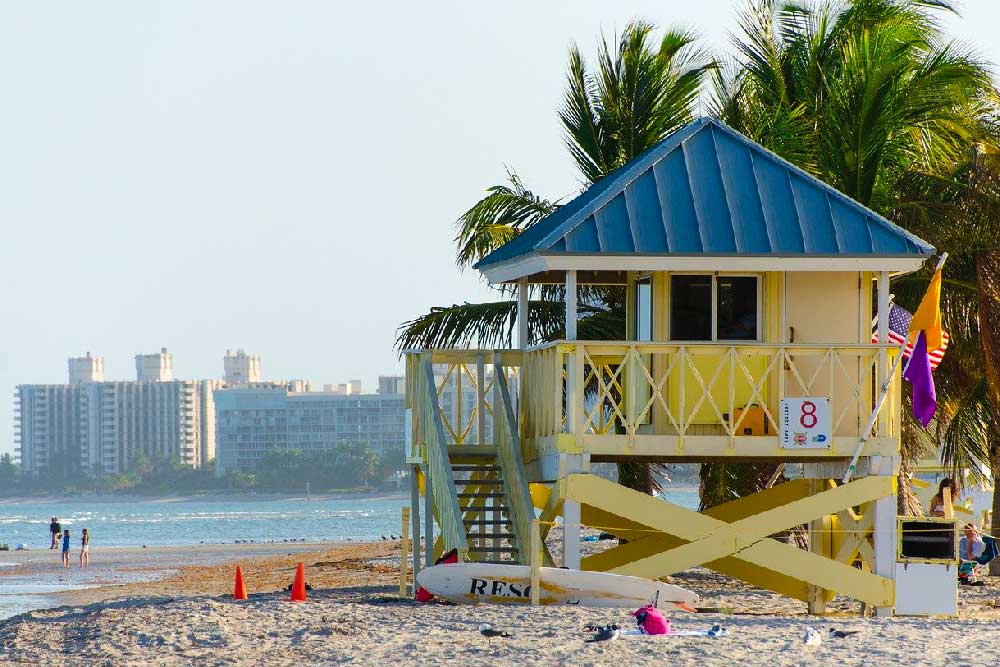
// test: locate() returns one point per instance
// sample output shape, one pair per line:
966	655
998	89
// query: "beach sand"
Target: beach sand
354	615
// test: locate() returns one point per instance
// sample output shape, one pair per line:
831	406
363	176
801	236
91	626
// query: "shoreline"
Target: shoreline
38	580
207	497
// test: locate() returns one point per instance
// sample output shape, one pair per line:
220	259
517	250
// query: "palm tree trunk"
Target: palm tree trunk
988	286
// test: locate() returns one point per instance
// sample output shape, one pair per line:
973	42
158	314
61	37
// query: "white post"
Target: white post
884	529
571	463
415	519
571	294
522	313
883	333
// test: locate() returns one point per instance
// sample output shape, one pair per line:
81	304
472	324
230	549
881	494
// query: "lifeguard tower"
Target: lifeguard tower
751	292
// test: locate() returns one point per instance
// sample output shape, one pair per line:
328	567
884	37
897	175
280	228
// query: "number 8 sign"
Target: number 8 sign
805	423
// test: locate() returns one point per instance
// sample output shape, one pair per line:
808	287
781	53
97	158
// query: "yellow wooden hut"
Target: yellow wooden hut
752	290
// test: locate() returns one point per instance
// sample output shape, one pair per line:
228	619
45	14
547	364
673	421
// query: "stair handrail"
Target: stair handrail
508	446
442	483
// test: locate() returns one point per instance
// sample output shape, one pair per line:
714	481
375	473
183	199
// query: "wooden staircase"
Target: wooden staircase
486	513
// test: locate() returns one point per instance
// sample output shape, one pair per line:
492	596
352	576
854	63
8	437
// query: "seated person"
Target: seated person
937	502
974	550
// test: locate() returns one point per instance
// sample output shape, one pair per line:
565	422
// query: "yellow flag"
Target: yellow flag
928	315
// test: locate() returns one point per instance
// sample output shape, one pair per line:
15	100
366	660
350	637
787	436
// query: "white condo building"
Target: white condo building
86	369
92	425
241	368
154	367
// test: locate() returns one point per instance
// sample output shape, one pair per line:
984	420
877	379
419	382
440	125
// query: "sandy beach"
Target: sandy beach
354	615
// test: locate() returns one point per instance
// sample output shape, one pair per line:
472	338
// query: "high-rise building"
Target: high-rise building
252	422
391	384
241	368
86	369
47	428
120	420
154	367
93	425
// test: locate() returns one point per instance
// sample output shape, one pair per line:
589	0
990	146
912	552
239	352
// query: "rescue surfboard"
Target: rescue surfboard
511	584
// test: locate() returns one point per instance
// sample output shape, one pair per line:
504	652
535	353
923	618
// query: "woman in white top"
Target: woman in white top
937	502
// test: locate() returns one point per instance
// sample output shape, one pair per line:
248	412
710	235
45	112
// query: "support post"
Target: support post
883	333
404	552
571	515
415	519
571	296
428	518
884	532
536	561
572	463
819	538
522	313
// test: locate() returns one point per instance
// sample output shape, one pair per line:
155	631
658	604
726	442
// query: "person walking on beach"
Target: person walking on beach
65	548
54	530
85	549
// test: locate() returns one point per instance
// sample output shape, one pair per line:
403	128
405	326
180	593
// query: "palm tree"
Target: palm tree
640	91
969	377
870	97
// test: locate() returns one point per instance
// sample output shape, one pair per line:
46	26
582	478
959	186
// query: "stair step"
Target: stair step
494	550
465	467
487	494
482	482
487	522
480	536
503	509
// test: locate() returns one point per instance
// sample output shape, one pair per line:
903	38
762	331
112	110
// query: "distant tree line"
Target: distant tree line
345	466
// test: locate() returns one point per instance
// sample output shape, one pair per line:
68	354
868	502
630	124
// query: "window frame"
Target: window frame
715	306
645	279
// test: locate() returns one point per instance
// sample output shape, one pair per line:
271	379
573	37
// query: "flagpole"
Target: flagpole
883	393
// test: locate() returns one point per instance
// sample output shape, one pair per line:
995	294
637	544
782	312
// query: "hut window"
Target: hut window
736	307
714	308
691	307
644	309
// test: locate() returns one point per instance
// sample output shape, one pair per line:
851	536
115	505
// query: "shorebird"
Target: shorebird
487	630
608	633
841	634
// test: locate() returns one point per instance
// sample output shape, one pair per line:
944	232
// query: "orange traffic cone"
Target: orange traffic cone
299	587
240	590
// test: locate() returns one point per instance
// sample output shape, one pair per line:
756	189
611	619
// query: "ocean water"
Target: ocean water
170	522
162	522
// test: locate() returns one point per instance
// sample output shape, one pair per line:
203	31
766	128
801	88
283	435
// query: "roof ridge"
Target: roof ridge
567	223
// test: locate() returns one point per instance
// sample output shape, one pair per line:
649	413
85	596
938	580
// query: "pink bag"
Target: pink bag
651	621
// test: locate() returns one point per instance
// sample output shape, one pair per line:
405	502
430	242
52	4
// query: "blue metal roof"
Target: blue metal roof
707	189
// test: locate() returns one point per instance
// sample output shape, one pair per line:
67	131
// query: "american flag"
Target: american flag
899	327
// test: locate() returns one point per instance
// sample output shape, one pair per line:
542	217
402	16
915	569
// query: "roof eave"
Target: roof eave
536	263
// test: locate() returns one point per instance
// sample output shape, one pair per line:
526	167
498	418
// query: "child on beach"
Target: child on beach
85	549
65	548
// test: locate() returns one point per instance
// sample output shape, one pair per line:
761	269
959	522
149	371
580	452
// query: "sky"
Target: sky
281	177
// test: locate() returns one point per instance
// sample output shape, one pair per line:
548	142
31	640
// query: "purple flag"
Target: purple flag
918	374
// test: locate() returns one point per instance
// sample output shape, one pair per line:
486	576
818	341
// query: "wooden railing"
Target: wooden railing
628	389
465	390
438	467
511	463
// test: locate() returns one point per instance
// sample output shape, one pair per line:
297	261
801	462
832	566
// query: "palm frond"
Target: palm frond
502	214
967	438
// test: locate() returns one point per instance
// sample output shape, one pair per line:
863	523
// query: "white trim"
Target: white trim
537	263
